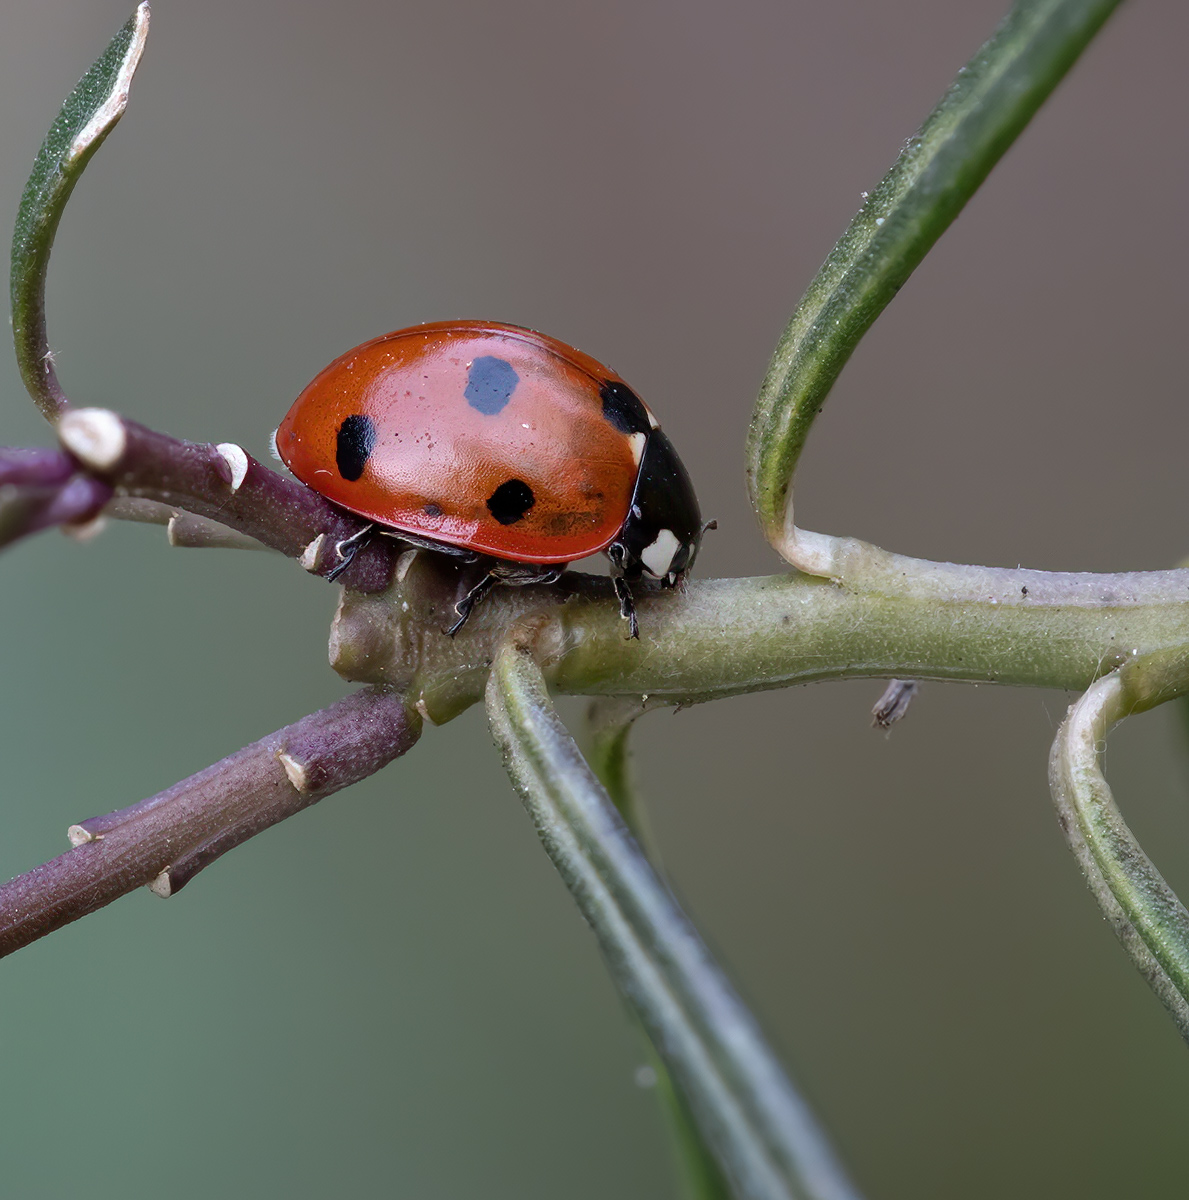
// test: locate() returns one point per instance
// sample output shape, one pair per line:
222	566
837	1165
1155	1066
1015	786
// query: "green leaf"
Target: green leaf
761	1131
1143	910
992	99
609	723
89	114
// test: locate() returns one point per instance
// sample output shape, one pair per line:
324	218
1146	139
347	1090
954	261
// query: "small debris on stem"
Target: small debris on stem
892	706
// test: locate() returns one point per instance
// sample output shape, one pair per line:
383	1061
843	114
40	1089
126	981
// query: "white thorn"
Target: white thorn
95	436
237	460
295	770
86	530
309	556
79	836
161	886
421	708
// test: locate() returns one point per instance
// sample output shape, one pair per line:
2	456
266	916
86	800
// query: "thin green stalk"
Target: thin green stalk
610	726
992	99
88	116
762	1134
1143	910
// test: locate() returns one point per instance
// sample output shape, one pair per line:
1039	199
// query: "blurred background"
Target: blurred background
391	994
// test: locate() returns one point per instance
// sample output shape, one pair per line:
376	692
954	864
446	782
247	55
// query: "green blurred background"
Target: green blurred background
391	995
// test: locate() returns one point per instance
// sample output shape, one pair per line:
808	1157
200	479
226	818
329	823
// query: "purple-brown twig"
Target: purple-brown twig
164	841
43	488
225	484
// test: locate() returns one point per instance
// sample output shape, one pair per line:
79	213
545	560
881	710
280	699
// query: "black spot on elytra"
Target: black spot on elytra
433	510
356	441
490	384
624	409
510	501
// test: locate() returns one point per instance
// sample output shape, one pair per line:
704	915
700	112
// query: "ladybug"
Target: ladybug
491	442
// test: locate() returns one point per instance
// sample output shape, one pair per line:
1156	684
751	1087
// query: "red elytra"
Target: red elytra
478	435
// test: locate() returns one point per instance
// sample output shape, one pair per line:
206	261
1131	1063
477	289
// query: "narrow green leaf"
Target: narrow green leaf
761	1131
609	723
1143	910
988	104
89	114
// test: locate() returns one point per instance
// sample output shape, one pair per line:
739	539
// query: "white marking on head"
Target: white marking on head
236	460
658	557
638	441
95	436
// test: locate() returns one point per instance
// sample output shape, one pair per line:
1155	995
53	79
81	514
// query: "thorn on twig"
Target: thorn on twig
79	836
86	530
295	771
892	706
95	436
236	461
312	553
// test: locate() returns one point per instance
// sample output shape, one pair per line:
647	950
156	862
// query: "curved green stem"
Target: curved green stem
762	1133
1143	910
88	116
992	99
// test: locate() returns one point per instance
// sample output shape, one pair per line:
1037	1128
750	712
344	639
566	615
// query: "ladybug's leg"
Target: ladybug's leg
511	574
464	607
627	606
347	549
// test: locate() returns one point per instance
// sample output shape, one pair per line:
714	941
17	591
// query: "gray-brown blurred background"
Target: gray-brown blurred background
391	994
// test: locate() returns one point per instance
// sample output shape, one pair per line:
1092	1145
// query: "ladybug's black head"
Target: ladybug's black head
664	524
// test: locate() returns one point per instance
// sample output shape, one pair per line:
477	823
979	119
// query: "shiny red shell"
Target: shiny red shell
483	436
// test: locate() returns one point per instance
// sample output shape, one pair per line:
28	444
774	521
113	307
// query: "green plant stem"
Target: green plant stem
1143	910
763	1135
937	622
87	117
908	619
992	99
608	756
